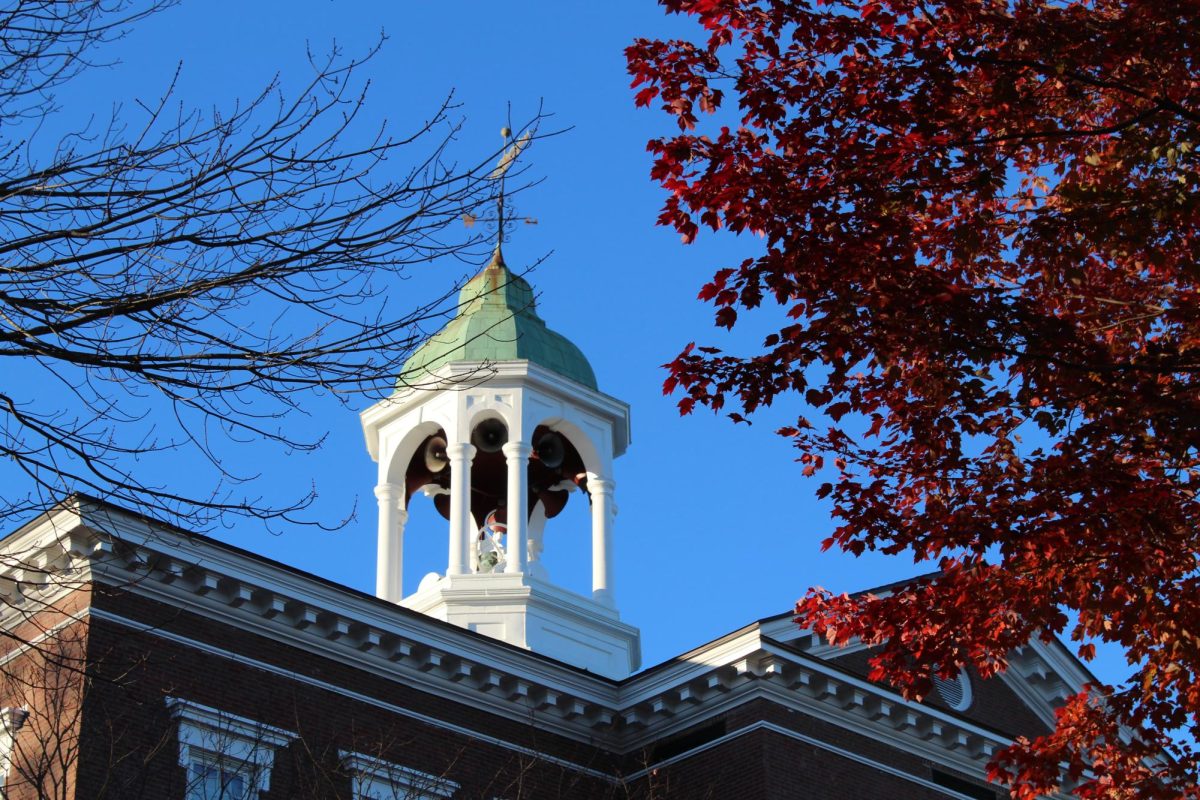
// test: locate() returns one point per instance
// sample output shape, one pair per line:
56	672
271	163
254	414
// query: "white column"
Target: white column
517	512
461	527
602	518
389	546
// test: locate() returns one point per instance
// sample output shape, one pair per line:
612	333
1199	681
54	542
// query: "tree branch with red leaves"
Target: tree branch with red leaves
980	234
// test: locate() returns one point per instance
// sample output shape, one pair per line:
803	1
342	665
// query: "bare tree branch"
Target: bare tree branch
174	279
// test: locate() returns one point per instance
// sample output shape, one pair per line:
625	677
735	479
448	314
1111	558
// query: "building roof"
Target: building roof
497	320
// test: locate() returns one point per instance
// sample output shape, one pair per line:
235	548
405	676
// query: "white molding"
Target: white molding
338	689
210	736
1039	674
937	757
523	396
11	720
928	748
838	701
465	375
527	612
202	577
378	779
1042	678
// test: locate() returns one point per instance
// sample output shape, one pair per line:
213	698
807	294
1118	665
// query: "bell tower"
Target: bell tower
499	422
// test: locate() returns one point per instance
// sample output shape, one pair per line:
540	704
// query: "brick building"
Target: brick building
144	661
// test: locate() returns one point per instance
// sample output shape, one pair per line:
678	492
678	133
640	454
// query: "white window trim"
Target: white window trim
210	736
11	720
375	777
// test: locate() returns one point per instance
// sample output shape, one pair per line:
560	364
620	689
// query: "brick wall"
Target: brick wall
130	715
129	747
46	676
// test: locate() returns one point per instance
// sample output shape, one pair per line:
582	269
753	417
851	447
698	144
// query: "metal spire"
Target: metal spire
507	159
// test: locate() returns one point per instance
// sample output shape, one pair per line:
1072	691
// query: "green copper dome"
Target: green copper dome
497	321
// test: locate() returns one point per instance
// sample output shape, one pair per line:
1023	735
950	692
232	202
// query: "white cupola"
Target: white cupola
498	421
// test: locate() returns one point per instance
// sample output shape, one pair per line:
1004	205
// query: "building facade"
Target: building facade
145	661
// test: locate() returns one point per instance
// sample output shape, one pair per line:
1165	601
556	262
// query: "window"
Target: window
226	757
215	782
376	779
11	720
956	784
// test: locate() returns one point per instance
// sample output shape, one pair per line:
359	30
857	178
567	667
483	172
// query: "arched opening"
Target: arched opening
424	542
418	469
564	545
428	472
560	513
489	471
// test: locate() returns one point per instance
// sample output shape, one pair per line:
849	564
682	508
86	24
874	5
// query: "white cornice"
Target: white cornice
1042	675
375	777
499	374
251	594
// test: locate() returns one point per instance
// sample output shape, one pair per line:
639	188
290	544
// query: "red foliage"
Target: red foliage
982	223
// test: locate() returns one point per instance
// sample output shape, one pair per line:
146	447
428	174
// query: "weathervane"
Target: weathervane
515	148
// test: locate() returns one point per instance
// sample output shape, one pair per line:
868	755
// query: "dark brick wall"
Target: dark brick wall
128	719
774	765
734	770
766	765
804	772
129	747
202	689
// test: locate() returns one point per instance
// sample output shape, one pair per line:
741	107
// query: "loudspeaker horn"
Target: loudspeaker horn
436	459
549	449
489	436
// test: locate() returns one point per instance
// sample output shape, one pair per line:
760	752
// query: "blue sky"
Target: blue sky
716	527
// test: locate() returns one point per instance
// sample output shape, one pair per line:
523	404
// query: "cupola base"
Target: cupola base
530	613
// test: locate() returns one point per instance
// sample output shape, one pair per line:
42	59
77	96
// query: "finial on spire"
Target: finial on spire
497	258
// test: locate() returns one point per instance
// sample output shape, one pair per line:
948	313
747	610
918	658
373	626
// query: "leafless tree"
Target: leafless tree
172	279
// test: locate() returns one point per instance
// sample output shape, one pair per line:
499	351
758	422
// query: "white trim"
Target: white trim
775	694
298	610
11	720
460	375
883	693
194	564
435	722
969	753
197	575
376	779
508	682
343	691
231	742
1040	675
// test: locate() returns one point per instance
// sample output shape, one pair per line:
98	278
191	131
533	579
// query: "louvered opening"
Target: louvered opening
955	691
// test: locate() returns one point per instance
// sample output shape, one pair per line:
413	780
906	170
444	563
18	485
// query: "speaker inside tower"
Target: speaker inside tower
554	464
429	466
555	467
489	436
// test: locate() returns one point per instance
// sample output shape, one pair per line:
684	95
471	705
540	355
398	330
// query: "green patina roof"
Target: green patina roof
497	321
